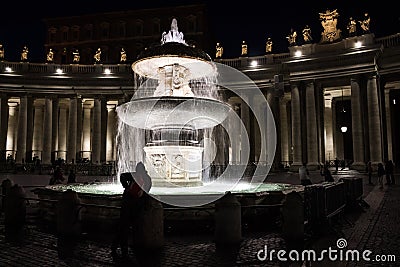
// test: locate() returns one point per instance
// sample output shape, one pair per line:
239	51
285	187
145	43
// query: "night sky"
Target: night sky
231	22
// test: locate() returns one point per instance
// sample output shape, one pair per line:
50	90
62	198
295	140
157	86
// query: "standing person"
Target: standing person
327	173
389	168
136	185
381	173
71	177
369	171
304	175
336	165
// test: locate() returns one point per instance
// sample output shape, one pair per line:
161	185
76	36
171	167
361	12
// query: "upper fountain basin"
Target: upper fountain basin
196	60
158	112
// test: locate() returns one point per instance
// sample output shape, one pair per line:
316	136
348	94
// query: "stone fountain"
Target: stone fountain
165	125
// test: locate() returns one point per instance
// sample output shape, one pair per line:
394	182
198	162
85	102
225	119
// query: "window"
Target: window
139	27
191	23
105	30
65	34
88	32
52	35
156	26
122	29
75	33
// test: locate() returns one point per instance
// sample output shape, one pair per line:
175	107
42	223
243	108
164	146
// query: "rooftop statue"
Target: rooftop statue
292	37
329	23
24	54
1	52
352	27
123	55
50	55
174	35
268	45
364	24
244	48
307	34
219	51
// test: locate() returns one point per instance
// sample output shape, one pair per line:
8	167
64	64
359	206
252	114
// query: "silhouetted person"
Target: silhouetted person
327	174
370	170
381	173
389	169
336	165
15	214
71	177
136	186
58	177
68	223
304	175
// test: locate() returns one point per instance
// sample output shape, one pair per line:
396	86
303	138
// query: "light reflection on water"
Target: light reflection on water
211	188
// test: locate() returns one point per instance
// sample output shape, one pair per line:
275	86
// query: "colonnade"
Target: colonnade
51	127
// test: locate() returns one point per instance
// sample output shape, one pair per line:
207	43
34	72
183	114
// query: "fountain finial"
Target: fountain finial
174	35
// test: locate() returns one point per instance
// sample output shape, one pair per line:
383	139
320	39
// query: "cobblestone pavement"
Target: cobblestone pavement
375	228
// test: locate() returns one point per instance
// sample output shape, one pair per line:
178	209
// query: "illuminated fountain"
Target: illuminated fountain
166	125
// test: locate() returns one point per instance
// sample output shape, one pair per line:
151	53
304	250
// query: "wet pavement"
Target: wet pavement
374	227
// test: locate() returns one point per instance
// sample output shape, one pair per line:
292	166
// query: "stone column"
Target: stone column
245	116
22	129
284	130
388	124
62	132
54	128
47	131
96	131
3	126
357	127
270	116
296	129
328	125
337	134
29	129
312	137
103	136
234	130
78	127
72	130
374	121
86	143
37	144
111	131
12	125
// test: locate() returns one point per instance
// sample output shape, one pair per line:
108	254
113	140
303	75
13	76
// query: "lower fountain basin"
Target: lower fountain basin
165	111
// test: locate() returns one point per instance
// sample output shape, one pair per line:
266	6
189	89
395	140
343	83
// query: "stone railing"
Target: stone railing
389	41
26	67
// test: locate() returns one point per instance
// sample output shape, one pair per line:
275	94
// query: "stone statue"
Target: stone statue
268	45
50	55
352	27
174	35
77	57
364	24
97	55
292	37
219	51
1	52
123	55
307	34
244	48
24	54
329	23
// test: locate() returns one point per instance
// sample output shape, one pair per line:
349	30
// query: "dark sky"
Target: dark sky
231	21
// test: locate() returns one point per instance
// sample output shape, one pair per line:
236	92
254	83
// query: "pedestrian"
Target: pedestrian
327	173
136	185
304	175
370	170
57	177
389	168
381	173
336	165
71	177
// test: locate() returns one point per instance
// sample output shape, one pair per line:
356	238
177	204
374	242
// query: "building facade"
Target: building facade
329	100
132	30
